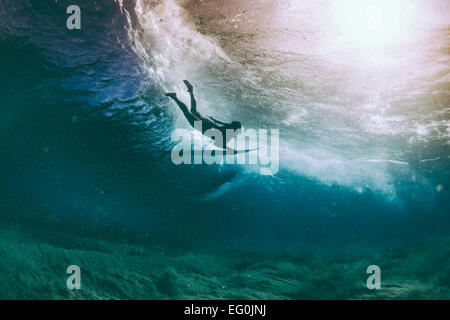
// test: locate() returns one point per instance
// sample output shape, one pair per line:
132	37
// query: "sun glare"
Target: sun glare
372	22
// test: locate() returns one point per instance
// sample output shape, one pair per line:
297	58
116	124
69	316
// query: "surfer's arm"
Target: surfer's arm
217	121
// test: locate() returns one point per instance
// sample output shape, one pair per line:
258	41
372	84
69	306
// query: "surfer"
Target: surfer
206	122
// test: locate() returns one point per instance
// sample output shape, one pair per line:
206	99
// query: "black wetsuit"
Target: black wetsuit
207	123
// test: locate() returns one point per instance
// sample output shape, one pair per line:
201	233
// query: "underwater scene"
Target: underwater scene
334	183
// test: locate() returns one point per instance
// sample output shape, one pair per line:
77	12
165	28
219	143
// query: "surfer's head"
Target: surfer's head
235	125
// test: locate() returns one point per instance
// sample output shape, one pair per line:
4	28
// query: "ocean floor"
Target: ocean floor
34	260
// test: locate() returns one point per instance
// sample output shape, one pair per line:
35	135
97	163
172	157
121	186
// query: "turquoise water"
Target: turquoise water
87	175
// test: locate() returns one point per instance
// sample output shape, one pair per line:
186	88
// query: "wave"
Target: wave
173	43
85	115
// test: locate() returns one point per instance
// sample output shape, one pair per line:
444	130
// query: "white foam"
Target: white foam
169	47
332	169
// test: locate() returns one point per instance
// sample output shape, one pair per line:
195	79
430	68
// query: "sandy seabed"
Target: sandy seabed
33	262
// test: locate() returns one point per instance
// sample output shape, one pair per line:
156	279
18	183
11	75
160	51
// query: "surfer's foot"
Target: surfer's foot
189	86
171	95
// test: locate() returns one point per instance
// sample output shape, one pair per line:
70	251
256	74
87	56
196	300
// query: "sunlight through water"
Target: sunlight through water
372	23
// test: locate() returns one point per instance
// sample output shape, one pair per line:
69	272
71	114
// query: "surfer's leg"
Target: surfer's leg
188	85
182	106
193	103
191	94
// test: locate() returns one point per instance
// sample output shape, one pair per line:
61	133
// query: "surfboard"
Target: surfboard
239	151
